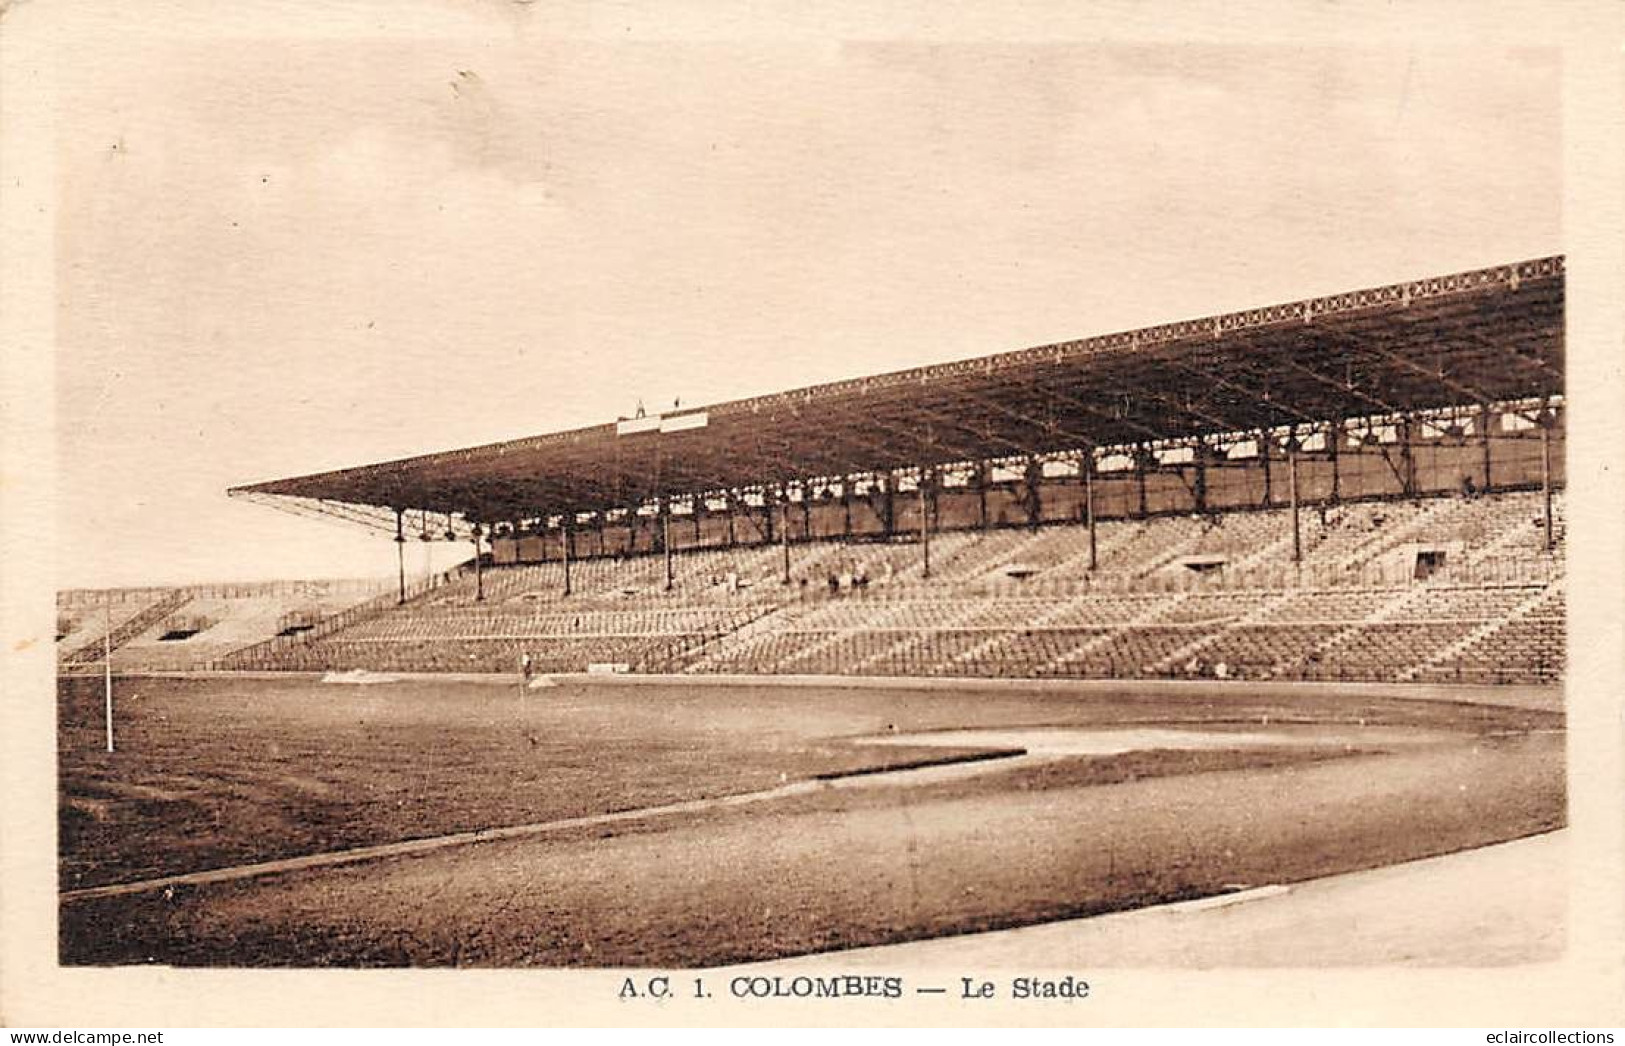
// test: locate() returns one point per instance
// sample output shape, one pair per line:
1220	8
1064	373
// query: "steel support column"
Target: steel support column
564	546
1546	422
1292	493
665	540
1139	475
1334	447
925	529
1199	488
1264	463
784	530
1087	466
980	479
400	552
1407	458
1033	479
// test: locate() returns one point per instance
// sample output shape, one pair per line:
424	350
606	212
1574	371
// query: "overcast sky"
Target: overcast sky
277	257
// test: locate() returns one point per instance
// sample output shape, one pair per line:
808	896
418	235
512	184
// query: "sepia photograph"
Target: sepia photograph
811	514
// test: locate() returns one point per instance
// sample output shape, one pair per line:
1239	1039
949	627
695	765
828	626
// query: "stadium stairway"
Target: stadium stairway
91	653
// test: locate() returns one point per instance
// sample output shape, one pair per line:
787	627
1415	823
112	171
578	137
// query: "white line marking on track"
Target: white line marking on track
1225	900
881	778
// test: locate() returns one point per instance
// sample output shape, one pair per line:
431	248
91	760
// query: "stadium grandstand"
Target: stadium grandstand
1362	486
177	629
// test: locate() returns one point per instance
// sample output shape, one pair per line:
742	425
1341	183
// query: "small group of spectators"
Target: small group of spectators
1197	667
851	582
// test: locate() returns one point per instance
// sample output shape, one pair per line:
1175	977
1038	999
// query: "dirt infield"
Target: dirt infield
216	773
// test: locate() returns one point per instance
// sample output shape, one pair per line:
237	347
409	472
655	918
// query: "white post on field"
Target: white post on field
107	665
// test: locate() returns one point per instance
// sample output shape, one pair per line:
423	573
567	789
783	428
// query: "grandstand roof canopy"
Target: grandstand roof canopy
1480	337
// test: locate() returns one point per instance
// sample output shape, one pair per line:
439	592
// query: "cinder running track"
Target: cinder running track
842	868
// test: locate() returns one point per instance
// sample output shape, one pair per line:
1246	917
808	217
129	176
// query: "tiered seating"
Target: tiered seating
1108	608
1527	650
501	622
1135	651
1549	605
756	573
944	548
1257	650
1158	541
944	651
1030	653
837	615
1357	531
1210	608
1477	603
840	634
1061	551
1282	628
1407	631
233	617
836	653
548	653
728	610
1381	650
1336	606
763	652
1516	528
1240	533
1007	613
989	552
1529	647
919	635
1045	548
493	639
882	563
111	619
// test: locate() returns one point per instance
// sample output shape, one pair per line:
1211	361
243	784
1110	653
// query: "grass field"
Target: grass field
215	773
